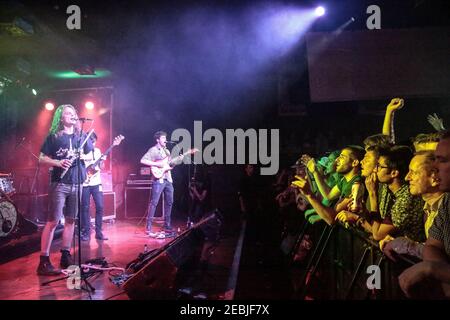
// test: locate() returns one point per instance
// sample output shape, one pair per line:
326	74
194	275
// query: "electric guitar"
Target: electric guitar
168	164
93	168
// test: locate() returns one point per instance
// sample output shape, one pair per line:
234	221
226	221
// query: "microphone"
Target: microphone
84	119
171	142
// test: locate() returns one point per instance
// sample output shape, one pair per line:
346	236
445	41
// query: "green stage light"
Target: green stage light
69	74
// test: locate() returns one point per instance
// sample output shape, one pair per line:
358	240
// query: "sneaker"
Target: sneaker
170	235
186	291
200	296
160	235
152	234
100	236
66	259
47	269
85	237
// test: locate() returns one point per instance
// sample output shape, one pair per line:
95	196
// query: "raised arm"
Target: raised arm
326	213
326	192
388	124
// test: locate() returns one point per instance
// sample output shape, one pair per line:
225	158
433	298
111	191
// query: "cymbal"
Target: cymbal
5	174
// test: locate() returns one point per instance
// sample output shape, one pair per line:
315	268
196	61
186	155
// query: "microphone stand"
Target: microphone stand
191	198
34	183
83	275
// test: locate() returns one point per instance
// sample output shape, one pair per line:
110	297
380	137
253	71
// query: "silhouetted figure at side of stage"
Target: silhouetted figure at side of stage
250	192
200	194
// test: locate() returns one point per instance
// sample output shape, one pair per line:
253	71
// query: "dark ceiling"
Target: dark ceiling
111	30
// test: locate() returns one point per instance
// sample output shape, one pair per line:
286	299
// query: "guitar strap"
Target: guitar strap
93	156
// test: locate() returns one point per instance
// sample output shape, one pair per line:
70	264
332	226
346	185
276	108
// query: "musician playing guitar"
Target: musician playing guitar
57	151
158	158
93	186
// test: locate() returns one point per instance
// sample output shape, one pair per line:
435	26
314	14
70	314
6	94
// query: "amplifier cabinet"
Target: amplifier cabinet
137	199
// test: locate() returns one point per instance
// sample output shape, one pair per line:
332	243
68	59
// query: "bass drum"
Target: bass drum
6	186
8	218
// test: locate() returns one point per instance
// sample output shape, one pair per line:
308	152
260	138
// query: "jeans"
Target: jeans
63	200
157	189
97	195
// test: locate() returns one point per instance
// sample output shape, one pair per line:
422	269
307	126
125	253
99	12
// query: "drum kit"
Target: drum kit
8	211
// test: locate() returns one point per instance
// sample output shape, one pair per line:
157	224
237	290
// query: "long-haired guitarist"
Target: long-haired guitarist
158	158
59	151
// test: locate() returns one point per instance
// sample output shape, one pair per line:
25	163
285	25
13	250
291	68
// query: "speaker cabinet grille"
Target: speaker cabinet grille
157	275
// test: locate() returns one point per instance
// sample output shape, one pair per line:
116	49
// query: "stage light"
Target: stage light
33	91
85	70
49	106
4	83
320	11
89	105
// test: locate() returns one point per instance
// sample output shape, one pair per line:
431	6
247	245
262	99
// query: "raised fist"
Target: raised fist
396	104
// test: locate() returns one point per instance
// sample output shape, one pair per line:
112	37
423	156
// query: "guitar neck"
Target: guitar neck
103	154
181	156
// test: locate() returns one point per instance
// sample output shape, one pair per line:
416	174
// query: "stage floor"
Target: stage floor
18	279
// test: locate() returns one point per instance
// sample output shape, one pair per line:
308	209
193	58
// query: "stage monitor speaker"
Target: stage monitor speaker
158	274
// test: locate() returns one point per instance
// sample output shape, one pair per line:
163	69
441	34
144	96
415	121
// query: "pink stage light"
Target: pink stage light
89	105
49	106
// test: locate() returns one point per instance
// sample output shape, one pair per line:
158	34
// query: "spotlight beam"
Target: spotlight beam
320	11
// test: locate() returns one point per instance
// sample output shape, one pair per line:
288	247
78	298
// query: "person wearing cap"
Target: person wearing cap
349	165
327	165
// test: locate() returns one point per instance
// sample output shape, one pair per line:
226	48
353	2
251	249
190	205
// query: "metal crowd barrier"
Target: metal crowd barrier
346	264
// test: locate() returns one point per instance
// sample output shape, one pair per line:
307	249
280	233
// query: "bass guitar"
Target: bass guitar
93	168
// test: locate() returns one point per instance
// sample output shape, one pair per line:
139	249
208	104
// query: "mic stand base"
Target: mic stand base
83	280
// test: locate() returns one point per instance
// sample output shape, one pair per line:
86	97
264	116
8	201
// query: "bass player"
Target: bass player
93	186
